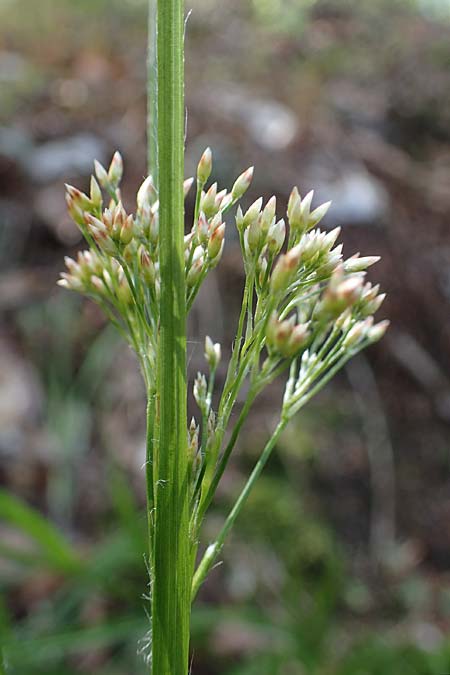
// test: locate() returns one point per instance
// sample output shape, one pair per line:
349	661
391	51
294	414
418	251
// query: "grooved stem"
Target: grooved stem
171	563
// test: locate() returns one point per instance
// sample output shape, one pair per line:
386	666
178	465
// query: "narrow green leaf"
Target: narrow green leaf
54	549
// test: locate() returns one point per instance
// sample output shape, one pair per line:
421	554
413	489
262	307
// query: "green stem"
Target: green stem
214	549
172	569
152	94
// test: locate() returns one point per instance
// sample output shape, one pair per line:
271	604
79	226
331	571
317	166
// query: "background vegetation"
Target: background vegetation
340	563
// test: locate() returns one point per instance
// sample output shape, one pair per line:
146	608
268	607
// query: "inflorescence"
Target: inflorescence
305	308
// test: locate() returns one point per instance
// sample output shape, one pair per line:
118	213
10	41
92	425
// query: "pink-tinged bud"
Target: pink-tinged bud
119	218
242	184
79	199
356	333
297	340
204	167
95	223
341	294
187	186
377	331
213	262
115	171
220	196
276	237
75	212
96	194
214	224
108	217
71	265
215	242
208	201
127	231
98	284
195	272
349	289
146	194
72	283
101	173
147	266
253	212
282	336
202	228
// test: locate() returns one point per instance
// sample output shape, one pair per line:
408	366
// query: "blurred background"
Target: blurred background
340	563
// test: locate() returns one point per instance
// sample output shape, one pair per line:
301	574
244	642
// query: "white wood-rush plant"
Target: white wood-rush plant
305	311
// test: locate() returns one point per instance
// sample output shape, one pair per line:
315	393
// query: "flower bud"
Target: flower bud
115	171
200	390
96	194
275	237
239	219
242	184
208	201
147	266
377	331
204	167
124	291
193	431
294	204
202	228
316	216
216	241
297	339
213	353
285	268
187	186
254	235
101	173
127	231
252	212
79	199
357	264
146	194
268	214
75	212
119	218
195	272
220	196
356	333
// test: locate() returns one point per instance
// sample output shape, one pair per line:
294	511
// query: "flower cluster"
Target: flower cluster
305	307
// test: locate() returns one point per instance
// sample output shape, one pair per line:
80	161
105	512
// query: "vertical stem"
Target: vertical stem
152	93
172	570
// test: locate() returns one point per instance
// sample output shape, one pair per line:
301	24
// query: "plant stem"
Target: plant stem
171	569
152	93
214	549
